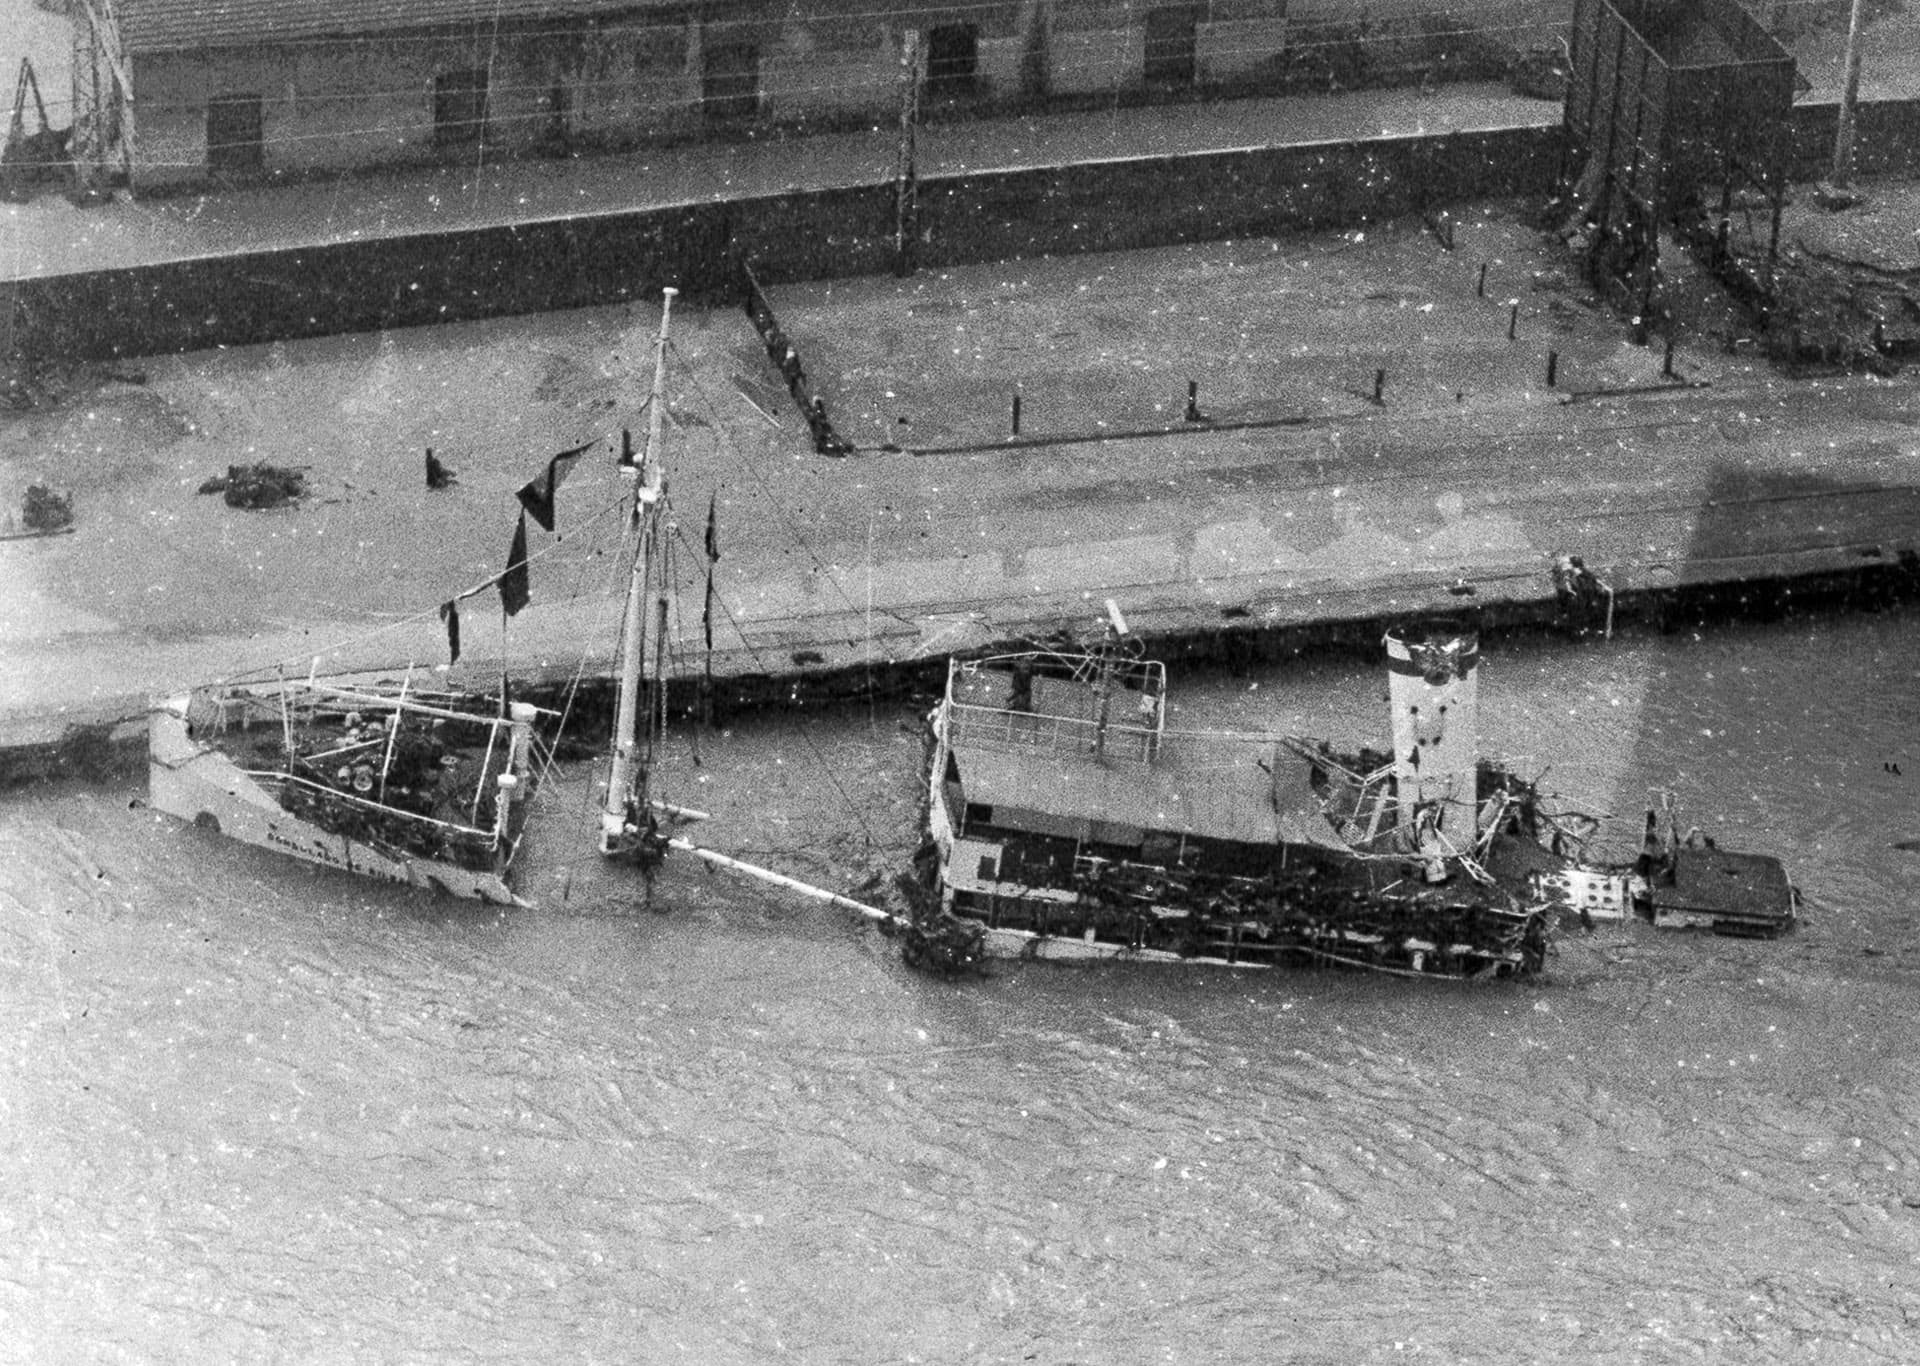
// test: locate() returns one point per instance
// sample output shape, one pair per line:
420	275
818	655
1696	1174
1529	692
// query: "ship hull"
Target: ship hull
1066	822
198	782
1330	948
1310	908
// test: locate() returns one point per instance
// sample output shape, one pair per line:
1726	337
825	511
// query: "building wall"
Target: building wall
1397	32
636	74
353	103
1487	14
329	106
1229	48
1091	60
815	69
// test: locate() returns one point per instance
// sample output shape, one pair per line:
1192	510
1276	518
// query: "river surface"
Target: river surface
252	1111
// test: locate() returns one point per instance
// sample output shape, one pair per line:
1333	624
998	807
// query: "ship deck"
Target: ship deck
1050	774
1741	893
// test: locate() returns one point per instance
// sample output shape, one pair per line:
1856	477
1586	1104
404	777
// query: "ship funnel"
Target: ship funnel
1433	685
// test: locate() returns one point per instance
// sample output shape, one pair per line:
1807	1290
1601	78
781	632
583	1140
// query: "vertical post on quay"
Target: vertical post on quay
1841	174
906	176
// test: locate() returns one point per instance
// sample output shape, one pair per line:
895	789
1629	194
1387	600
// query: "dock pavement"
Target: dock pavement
1372	436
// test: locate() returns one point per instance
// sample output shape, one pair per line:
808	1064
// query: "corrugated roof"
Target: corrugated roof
173	25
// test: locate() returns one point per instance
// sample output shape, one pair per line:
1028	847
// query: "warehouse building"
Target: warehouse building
173	92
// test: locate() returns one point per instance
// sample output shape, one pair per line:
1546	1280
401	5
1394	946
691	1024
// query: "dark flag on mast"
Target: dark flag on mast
536	495
713	558
450	613
515	584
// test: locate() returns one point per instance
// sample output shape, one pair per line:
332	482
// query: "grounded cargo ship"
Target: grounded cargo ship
1067	821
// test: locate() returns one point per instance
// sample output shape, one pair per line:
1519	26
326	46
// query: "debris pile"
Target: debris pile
1843	292
438	475
36	382
258	485
1836	310
45	510
1584	600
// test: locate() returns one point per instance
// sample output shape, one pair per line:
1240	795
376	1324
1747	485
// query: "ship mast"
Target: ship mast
626	817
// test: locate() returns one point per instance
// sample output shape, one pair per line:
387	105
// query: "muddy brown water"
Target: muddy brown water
250	1111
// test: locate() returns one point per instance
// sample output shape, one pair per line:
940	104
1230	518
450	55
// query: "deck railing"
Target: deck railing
471	847
1132	692
1006	729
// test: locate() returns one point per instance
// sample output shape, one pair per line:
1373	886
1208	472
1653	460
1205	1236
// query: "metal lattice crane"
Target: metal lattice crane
102	98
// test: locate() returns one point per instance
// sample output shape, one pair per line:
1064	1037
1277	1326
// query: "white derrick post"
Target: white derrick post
508	786
1433	686
520	744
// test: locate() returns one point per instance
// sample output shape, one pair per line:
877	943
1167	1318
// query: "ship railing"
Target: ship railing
274	778
1010	729
1138	675
245	708
1131	690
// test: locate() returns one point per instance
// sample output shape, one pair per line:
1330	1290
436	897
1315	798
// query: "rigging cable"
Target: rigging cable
725	436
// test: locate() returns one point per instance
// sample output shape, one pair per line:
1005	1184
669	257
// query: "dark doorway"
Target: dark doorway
1172	44
953	60
236	134
460	107
730	85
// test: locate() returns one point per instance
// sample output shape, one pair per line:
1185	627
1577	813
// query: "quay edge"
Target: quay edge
106	739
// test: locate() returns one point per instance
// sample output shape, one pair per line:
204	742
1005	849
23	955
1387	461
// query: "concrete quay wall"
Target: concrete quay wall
542	265
547	264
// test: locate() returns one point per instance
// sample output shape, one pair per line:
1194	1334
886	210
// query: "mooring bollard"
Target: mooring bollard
1553	367
1016	414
